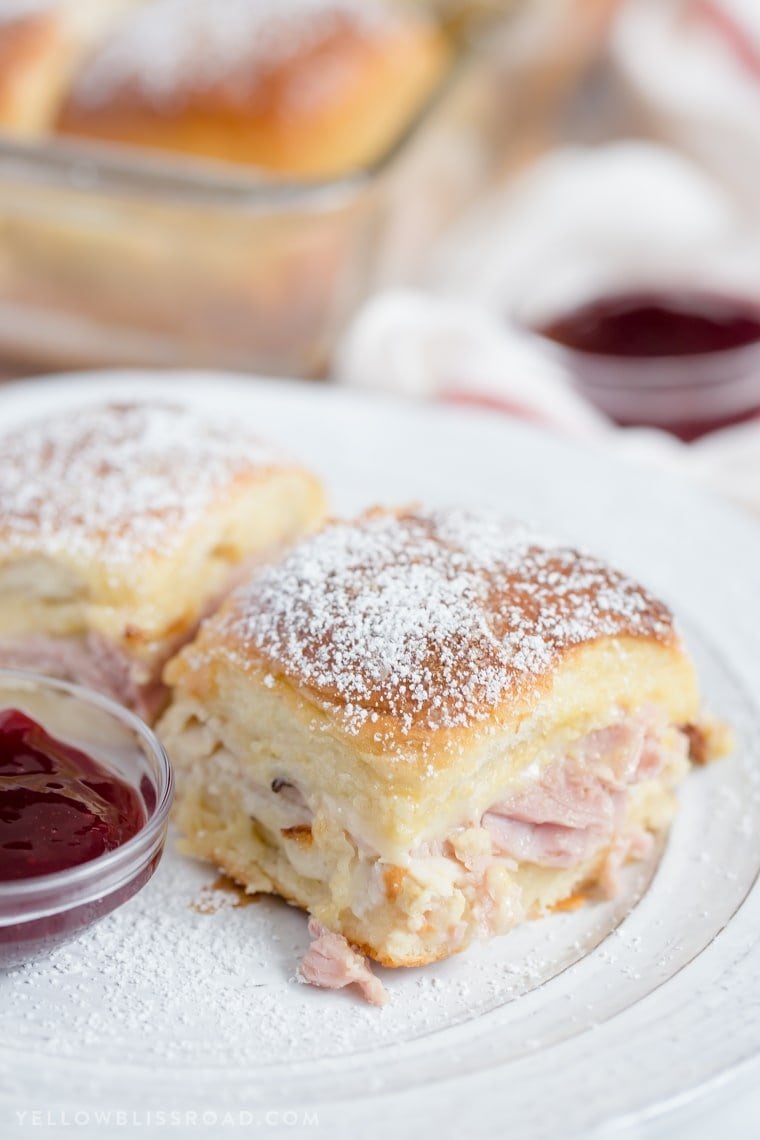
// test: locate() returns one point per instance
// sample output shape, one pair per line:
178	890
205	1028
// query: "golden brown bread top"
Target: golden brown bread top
420	621
250	80
116	482
28	33
41	43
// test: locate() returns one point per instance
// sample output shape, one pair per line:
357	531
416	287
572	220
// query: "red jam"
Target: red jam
650	325
58	807
688	363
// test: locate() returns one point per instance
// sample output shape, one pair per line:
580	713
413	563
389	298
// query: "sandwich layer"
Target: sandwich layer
424	727
122	525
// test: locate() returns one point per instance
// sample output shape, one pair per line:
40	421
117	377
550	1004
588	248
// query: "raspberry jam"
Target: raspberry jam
641	324
58	806
687	362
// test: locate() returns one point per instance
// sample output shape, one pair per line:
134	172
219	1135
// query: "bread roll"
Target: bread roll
121	525
41	42
309	88
424	727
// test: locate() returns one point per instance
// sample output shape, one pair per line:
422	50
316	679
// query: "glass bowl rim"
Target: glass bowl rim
128	858
663	371
105	168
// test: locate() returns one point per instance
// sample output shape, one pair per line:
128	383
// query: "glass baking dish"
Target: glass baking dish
116	257
120	257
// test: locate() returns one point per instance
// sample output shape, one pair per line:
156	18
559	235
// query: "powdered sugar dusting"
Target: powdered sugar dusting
158	984
183	998
116	481
432	618
171	46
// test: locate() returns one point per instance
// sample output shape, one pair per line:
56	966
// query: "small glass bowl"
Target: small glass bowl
688	396
39	913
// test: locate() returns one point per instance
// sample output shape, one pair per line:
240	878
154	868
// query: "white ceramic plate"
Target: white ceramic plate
604	1018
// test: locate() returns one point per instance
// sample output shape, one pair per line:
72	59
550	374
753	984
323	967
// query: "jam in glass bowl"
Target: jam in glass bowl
687	361
85	792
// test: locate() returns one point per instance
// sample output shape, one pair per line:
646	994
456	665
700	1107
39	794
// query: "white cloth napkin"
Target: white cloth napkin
427	347
693	66
582	220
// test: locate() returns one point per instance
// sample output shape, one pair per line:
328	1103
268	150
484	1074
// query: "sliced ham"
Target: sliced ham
614	751
89	660
330	962
635	843
575	809
577	804
546	844
566	794
95	662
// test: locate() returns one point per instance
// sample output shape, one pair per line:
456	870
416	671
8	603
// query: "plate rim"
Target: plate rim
86	387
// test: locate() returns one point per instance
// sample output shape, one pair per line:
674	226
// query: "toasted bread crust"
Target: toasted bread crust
337	628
